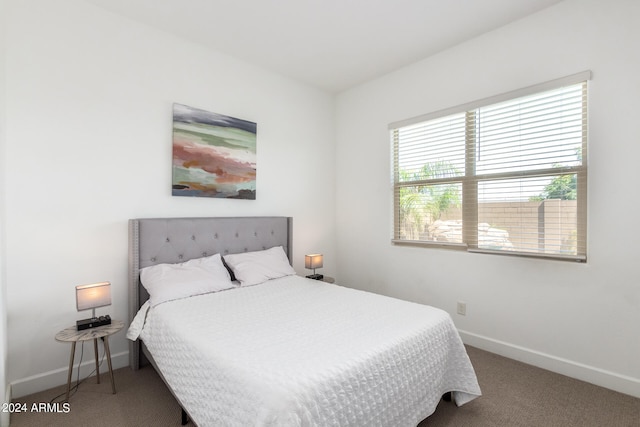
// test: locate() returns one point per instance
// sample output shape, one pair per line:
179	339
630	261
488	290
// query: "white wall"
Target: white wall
579	319
88	146
4	393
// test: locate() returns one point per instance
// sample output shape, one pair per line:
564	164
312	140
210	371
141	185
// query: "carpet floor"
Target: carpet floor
514	395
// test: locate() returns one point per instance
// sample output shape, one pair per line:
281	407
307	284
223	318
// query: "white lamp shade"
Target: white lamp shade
313	261
93	295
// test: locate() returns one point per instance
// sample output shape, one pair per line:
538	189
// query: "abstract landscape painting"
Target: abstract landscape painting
213	155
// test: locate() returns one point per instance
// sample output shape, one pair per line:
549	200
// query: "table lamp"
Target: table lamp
92	296
313	261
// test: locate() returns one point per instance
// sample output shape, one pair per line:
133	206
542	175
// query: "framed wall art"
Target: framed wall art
213	155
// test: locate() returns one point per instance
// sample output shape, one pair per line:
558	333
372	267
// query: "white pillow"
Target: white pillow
251	268
166	282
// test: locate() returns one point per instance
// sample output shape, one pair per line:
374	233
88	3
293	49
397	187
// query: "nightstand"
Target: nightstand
72	335
326	279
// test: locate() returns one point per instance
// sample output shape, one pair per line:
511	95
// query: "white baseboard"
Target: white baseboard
5	416
47	380
611	380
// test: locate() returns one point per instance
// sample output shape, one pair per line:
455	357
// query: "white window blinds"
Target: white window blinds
505	175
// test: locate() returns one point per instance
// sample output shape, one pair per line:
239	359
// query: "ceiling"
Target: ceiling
330	44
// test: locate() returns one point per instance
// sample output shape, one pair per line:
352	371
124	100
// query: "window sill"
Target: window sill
441	245
464	247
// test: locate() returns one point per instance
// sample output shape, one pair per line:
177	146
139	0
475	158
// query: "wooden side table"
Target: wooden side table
72	335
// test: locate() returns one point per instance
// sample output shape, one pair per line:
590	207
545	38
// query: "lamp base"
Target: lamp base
315	276
93	322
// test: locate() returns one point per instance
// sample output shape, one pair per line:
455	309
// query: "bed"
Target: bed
285	351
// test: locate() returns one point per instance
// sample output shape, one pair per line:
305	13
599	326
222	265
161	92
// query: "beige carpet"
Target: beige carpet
141	399
518	395
514	394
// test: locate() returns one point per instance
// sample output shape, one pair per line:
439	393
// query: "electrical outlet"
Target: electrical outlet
462	308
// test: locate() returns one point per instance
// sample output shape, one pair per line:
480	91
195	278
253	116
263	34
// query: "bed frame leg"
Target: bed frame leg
447	396
185	417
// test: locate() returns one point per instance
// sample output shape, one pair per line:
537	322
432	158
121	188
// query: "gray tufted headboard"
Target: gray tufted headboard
173	240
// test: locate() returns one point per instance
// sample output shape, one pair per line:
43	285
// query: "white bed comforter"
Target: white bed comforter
298	352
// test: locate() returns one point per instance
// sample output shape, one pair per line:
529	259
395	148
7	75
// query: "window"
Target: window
505	175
